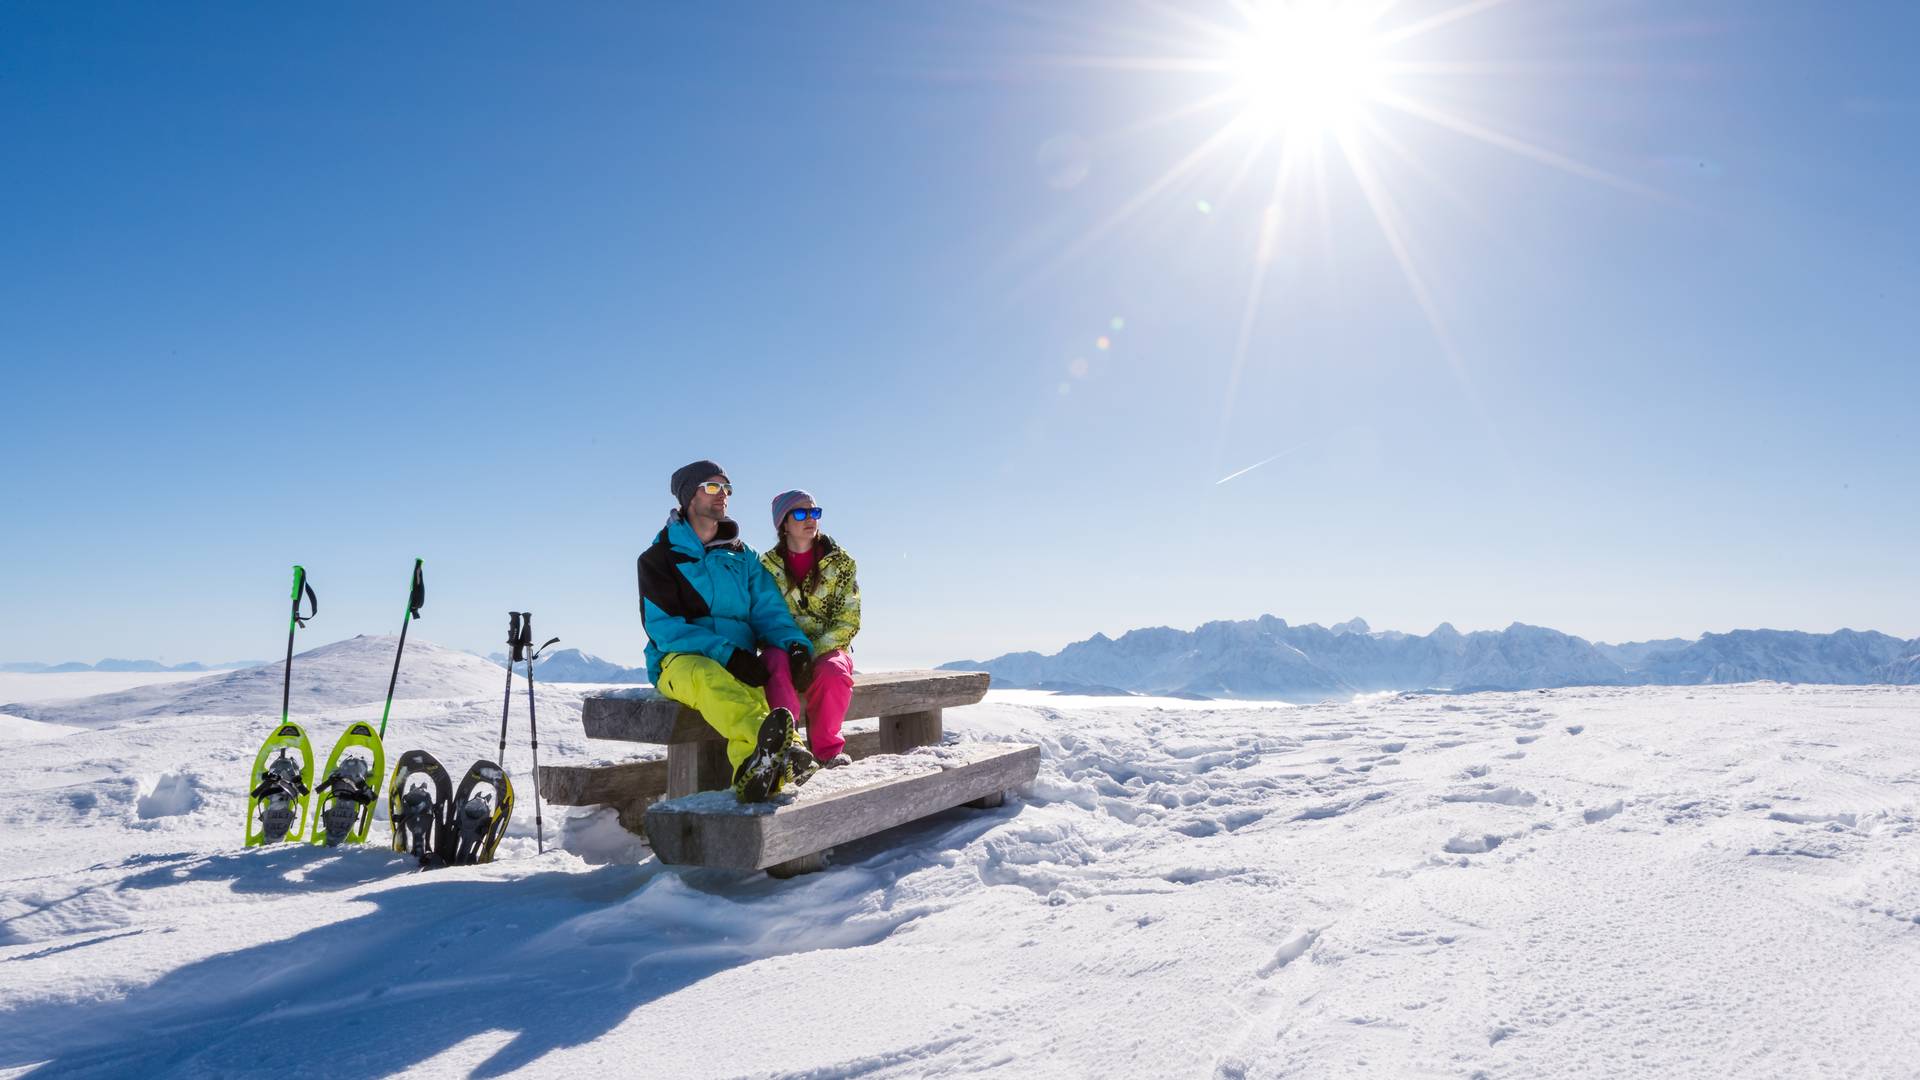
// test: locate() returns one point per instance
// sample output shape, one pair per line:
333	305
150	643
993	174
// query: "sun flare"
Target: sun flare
1289	100
1305	69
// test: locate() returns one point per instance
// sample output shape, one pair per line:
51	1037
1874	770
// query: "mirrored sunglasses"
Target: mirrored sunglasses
805	512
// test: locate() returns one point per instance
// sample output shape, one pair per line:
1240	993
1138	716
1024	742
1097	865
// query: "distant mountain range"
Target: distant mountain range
1265	658
30	667
572	665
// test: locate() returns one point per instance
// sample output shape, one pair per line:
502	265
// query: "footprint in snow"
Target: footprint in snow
1293	949
1602	813
1524	739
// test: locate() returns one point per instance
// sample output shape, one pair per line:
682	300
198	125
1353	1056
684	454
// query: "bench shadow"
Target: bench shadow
552	960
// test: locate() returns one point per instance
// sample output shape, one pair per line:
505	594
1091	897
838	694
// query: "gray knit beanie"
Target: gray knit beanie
690	476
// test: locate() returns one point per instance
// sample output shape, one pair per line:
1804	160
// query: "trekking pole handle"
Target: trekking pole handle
301	584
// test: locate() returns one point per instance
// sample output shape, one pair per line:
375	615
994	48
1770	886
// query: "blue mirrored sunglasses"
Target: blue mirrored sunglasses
805	512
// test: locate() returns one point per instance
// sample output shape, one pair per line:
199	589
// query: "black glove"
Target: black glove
800	662
747	667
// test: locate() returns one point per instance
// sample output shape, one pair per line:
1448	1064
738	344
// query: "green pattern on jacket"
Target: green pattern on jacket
827	604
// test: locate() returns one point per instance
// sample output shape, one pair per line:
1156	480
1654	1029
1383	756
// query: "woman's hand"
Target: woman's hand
800	662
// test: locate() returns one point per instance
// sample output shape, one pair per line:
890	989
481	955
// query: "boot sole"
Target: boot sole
765	768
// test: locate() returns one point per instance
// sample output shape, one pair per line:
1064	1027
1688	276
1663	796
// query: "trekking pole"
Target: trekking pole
533	729
299	584
416	599
513	654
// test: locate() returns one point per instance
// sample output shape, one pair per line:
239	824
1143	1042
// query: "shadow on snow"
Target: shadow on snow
553	959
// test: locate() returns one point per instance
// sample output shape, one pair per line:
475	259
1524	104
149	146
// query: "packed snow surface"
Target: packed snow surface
1716	881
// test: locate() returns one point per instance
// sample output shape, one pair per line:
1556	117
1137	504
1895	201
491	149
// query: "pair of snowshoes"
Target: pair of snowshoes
284	793
779	760
443	825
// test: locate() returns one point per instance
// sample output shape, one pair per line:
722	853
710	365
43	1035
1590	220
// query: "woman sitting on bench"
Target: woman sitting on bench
817	579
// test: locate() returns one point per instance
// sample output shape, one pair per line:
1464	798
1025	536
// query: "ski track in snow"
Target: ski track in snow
1657	881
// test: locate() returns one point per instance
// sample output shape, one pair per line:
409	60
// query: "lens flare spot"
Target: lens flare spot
1103	343
1118	324
1203	206
1065	389
1064	161
1078	369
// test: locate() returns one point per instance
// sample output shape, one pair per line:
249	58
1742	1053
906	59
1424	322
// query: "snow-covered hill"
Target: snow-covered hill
1265	658
1647	881
344	673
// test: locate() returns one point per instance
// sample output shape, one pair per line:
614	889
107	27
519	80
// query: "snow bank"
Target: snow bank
171	795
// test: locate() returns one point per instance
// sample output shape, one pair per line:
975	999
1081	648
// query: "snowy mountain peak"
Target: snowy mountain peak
1355	625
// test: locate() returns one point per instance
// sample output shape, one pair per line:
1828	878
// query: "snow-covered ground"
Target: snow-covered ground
1597	882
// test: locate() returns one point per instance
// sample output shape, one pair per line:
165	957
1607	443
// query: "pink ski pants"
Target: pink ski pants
827	697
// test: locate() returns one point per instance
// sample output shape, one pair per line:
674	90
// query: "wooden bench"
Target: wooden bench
714	832
785	838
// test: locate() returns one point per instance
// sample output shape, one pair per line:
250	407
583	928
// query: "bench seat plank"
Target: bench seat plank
714	829
643	715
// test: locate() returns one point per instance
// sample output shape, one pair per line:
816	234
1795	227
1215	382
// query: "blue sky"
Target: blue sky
347	285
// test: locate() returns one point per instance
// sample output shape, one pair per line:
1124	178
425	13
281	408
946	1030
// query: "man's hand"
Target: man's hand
747	667
800	662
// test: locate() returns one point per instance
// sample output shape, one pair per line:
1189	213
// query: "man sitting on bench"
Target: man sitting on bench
706	603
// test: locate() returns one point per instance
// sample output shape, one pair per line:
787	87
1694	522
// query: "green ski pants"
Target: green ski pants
728	705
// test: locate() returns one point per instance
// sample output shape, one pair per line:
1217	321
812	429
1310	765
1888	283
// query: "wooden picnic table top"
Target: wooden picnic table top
644	715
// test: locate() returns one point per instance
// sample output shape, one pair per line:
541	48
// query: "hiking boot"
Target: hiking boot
802	763
766	770
836	761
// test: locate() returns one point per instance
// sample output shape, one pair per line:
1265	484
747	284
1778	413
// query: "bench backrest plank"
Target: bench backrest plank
643	715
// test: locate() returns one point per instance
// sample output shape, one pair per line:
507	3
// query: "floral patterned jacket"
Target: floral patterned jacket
827	603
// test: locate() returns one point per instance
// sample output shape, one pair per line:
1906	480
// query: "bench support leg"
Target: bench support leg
903	732
697	766
989	802
805	864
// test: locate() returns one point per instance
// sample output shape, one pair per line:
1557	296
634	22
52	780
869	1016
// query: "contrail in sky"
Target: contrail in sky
1257	464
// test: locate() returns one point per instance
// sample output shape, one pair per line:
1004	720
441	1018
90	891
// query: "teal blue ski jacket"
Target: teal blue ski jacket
708	598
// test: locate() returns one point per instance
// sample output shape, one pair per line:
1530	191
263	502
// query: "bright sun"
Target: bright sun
1305	69
1298	88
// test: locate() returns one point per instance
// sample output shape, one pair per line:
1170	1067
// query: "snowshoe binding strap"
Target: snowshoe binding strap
418	801
482	808
419	822
344	796
280	785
